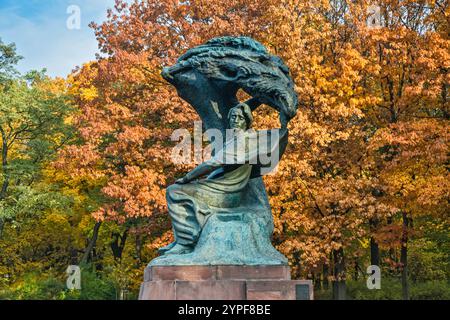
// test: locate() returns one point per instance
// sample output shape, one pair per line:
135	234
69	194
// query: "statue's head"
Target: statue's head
240	117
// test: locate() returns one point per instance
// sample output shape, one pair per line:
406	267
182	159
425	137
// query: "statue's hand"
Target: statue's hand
183	180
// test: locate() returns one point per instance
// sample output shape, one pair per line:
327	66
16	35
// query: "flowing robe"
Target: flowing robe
191	204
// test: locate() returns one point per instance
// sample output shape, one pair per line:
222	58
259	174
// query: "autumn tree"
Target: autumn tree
370	101
32	128
35	232
411	52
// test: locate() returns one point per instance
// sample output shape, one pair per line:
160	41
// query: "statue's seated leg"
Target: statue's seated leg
181	205
180	249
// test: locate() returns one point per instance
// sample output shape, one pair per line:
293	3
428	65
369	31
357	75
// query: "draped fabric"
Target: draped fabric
191	204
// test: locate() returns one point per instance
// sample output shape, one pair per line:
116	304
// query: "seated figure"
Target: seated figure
216	183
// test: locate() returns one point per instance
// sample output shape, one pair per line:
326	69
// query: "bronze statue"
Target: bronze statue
220	212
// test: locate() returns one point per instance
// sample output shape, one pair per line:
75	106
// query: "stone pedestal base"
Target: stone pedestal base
223	283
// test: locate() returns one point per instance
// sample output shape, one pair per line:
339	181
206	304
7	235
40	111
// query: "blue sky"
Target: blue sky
39	29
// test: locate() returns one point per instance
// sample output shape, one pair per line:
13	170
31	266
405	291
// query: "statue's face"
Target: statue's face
237	120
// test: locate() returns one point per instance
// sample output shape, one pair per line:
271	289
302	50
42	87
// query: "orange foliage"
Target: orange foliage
369	141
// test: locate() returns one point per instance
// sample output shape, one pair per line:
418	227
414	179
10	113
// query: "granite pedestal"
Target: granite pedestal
224	282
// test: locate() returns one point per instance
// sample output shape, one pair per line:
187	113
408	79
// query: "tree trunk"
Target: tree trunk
374	249
404	257
392	254
325	277
118	244
138	245
2	224
4	186
374	253
316	277
4	168
90	247
356	270
339	286
5	176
